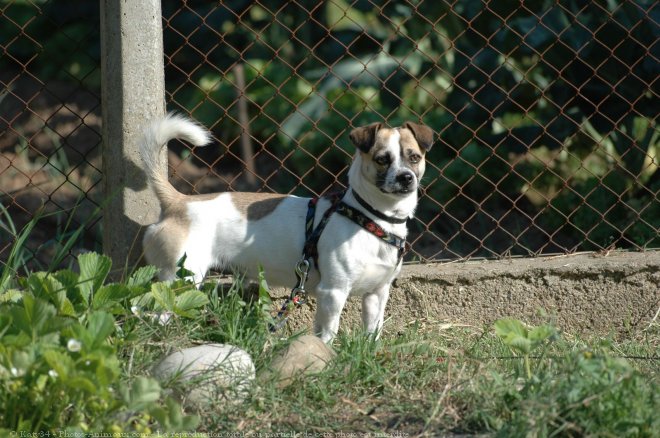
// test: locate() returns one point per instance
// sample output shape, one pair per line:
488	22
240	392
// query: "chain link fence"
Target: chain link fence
545	112
50	141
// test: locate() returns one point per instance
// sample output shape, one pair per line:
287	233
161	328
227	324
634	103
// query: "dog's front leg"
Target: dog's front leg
330	303
373	310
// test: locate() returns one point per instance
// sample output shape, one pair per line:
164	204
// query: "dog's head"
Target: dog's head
393	158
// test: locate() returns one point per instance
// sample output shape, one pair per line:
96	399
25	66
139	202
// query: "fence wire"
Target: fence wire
545	112
50	141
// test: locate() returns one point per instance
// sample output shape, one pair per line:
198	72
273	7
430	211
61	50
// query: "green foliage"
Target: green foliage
522	340
582	392
59	368
264	302
240	317
17	257
23	258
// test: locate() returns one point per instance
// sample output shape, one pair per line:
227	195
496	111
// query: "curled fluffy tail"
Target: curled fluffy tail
155	137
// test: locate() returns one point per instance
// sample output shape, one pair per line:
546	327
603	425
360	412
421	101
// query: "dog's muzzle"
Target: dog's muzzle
405	182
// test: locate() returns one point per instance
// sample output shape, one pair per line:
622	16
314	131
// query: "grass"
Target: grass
76	353
432	378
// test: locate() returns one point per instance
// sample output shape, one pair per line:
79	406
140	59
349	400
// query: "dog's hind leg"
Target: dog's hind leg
373	310
330	303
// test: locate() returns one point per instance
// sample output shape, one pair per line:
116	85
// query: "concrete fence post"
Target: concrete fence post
133	93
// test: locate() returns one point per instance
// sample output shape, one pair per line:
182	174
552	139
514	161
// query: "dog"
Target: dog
248	230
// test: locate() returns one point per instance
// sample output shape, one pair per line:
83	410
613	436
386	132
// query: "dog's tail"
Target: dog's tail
155	137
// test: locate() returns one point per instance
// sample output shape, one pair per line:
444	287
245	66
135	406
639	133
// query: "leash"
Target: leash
298	295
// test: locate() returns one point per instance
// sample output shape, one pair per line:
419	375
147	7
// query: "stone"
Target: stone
305	355
209	373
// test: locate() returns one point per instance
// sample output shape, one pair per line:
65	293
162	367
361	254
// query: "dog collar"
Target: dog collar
378	214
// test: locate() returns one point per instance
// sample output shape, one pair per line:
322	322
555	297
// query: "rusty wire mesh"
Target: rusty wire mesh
49	129
545	112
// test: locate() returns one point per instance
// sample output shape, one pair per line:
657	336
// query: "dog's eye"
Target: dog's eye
414	158
383	160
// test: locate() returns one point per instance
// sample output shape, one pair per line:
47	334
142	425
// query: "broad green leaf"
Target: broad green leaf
506	327
104	365
69	281
22	359
541	333
142	277
61	363
176	417
83	384
191	299
11	295
66	307
170	417
138	291
164	296
16	340
55	292
143	392
42	286
143	301
100	325
107	370
47	286
78	333
109	294
41	382
34	316
189	422
519	343
94	269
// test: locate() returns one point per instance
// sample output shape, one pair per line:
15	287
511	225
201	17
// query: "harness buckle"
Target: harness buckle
298	293
302	269
298	296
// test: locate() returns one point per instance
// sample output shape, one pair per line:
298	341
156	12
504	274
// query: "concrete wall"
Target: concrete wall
587	293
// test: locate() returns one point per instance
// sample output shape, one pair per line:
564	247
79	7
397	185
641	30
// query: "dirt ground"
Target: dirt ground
584	294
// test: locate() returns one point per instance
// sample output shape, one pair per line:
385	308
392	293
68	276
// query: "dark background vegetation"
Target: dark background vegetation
546	112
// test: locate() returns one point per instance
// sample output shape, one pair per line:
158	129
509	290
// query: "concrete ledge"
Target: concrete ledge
586	293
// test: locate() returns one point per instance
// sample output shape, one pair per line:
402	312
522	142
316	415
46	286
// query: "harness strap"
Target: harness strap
362	220
312	235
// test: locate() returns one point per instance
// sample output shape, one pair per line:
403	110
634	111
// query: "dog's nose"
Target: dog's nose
405	178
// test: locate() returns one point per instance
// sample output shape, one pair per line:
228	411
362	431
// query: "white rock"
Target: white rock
210	373
304	355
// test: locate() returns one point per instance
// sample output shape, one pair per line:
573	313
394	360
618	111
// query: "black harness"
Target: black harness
337	205
312	236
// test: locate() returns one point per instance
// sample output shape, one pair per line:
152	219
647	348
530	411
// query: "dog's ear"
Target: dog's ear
423	134
363	137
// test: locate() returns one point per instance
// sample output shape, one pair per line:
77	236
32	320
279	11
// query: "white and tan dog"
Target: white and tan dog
248	230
